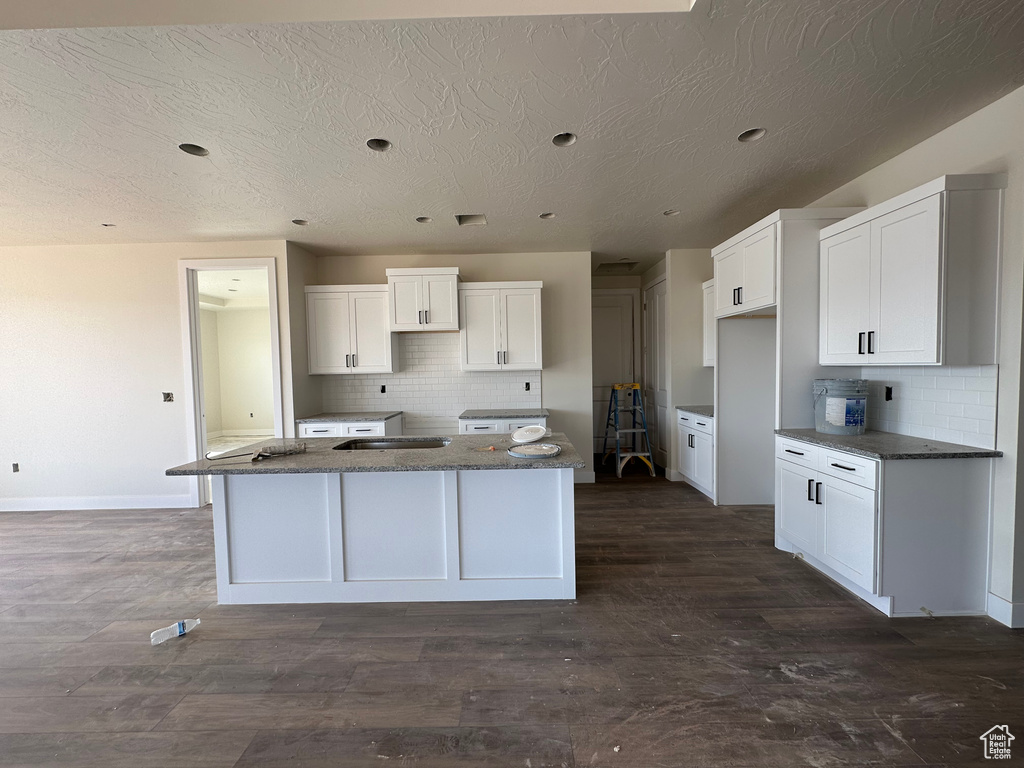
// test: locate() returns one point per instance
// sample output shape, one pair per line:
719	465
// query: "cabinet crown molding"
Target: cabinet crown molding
786	214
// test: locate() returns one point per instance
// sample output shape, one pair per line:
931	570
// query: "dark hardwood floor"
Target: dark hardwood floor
693	642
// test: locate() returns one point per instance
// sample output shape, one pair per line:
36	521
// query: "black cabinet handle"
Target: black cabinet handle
817	493
348	358
701	424
810	490
321	430
692	443
353	360
481	427
860	343
683	418
499	358
871	342
505	355
369	429
739	295
795	453
848	469
735	296
419	317
426	317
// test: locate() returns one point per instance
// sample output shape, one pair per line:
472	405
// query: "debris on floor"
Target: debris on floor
177	629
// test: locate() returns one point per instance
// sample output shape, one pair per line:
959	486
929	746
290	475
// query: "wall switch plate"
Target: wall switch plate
888	393
15	467
168	397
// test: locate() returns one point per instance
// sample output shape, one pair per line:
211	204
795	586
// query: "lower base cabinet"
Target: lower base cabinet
496	426
696	451
909	536
392	426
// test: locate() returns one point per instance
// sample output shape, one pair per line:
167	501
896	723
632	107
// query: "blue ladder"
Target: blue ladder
637	437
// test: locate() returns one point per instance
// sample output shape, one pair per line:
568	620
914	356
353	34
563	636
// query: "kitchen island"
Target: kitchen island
455	522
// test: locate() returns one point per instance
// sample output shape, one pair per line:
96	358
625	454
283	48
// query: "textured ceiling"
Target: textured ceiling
235	287
90	121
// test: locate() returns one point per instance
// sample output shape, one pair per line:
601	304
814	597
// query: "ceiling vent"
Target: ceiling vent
471	219
616	267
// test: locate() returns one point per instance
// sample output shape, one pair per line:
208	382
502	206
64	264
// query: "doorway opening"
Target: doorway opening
615	352
232	345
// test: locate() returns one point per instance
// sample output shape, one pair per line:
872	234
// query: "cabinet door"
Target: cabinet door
710	335
847	535
845	290
327	332
405	301
441	302
687	459
758	287
520	326
798	513
906	267
728	277
703	461
481	337
371	339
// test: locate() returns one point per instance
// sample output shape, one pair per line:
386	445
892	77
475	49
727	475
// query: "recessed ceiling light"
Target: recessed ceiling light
194	149
108	225
547	215
300	222
424	219
379	145
564	139
670	212
754	134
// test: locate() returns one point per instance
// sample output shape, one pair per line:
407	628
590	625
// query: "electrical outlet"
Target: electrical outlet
527	386
168	397
888	393
383	388
15	467
250	416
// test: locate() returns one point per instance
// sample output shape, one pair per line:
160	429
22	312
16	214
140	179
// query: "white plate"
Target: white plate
535	451
529	434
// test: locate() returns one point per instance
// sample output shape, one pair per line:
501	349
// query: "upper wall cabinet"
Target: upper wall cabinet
347	329
501	329
745	273
423	299
710	337
915	280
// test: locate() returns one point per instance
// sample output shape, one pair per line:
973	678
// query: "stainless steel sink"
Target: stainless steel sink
367	444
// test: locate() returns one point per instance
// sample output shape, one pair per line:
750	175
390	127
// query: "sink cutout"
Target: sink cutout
392	444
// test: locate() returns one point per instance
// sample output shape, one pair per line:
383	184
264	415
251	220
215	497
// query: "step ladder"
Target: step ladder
631	442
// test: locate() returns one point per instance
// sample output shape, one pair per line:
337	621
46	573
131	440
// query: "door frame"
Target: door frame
188	270
634	294
652	410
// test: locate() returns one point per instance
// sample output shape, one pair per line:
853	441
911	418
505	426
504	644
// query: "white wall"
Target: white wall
210	342
89	338
246	384
565	304
307	396
988	141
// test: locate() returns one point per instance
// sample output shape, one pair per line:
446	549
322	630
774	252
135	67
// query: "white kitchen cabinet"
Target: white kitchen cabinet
914	280
347	329
392	426
423	299
709	323
899	534
696	450
745	273
501	326
497	426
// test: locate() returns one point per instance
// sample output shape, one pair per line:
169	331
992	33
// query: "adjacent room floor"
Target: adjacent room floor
692	642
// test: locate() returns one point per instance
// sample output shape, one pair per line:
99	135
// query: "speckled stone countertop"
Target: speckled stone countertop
322	418
890	446
506	413
462	453
700	410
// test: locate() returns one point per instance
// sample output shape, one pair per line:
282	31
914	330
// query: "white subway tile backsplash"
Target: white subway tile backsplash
956	404
429	387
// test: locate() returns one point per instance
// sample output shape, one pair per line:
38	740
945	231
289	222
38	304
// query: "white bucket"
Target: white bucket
840	406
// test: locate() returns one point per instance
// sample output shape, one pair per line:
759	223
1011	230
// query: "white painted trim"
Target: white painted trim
241	433
382	288
654	281
189	305
583	476
1005	612
53	503
407	271
511	284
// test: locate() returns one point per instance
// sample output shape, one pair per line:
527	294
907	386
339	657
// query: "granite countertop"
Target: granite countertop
322	418
890	446
505	413
462	453
700	410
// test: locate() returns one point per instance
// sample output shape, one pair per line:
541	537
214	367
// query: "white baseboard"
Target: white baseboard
674	476
247	432
1005	612
60	503
582	476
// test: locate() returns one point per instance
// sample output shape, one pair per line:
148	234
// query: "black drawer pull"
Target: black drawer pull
701	424
364	430
795	453
481	427
321	430
683	418
840	466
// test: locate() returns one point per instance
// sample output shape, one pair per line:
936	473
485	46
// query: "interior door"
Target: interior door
371	342
612	352
655	382
481	339
905	304
845	288
520	314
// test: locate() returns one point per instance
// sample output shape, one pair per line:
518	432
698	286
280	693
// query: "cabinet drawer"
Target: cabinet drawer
364	429
319	430
514	425
478	427
703	424
797	452
846	466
